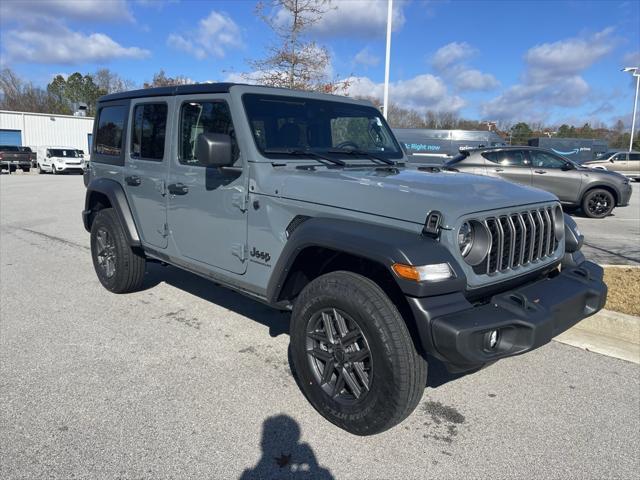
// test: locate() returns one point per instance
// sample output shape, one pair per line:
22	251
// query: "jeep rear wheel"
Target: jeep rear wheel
119	268
353	356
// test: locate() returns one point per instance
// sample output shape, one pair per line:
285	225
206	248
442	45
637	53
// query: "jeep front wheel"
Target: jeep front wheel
119	268
353	356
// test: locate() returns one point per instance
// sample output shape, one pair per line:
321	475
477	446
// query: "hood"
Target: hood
407	194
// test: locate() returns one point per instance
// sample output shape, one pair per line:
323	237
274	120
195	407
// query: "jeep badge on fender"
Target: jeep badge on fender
342	225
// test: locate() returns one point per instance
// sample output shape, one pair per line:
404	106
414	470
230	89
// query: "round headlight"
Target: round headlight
474	242
465	238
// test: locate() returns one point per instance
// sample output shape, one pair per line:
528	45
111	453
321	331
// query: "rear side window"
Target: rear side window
511	158
202	117
148	131
634	157
109	133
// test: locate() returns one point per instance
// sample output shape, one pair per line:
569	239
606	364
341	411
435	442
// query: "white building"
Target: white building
40	130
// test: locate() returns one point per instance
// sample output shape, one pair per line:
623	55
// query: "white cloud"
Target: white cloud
55	43
475	80
355	18
366	58
90	10
564	58
421	93
552	78
214	35
632	59
452	53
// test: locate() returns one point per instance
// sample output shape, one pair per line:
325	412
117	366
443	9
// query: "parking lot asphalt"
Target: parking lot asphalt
189	380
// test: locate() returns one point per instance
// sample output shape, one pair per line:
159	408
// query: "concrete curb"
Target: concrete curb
607	332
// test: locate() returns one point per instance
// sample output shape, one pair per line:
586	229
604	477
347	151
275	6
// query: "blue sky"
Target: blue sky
547	61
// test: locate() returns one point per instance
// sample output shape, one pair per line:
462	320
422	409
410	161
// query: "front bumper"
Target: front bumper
625	195
68	167
526	317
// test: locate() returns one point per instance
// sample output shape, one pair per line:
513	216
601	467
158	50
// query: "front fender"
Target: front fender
383	245
118	200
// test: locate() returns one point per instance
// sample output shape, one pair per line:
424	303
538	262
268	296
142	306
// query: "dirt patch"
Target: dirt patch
624	289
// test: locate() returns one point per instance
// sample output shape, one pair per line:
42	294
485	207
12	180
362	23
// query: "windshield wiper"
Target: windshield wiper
304	153
355	151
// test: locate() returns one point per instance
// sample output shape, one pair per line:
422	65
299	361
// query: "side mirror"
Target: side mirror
567	166
48	155
214	149
611	160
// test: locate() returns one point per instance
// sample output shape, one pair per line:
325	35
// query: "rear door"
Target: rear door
633	165
512	165
549	174
207	212
146	167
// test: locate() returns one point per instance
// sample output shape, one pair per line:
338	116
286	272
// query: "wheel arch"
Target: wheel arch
603	186
108	193
321	245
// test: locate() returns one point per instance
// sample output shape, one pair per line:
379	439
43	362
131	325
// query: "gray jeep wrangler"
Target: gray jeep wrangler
302	201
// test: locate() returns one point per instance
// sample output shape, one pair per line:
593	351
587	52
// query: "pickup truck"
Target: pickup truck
12	158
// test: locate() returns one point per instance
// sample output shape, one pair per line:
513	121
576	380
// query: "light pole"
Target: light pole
634	71
387	59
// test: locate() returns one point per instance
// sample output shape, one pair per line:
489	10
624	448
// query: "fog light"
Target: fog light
493	339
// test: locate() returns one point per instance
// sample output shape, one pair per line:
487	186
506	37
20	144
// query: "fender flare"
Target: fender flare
604	185
118	199
380	244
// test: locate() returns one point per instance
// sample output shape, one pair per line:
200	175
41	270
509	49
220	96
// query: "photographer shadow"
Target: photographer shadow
283	455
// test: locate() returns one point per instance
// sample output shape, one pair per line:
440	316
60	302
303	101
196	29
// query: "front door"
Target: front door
550	173
512	165
619	162
146	167
207	205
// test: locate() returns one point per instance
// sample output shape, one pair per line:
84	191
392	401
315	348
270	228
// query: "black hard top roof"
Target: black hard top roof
169	91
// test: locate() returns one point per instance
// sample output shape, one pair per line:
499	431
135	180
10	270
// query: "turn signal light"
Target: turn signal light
432	273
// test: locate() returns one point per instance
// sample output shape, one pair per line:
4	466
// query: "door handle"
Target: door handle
499	169
540	171
133	180
178	189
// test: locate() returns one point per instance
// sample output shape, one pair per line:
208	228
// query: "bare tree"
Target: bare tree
294	61
111	82
17	95
160	79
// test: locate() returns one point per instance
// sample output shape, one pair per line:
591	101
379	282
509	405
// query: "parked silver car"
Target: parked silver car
625	163
597	192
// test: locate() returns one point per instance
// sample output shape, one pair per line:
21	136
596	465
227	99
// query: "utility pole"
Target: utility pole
634	71
385	103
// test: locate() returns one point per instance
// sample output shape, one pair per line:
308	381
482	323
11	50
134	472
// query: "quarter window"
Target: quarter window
109	133
148	131
197	118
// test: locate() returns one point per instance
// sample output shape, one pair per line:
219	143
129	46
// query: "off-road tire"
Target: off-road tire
598	193
398	372
129	265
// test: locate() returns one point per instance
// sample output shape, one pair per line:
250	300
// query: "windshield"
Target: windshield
63	153
281	123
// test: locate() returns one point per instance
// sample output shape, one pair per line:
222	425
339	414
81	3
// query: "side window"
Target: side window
109	133
546	160
509	158
619	157
634	157
148	131
202	117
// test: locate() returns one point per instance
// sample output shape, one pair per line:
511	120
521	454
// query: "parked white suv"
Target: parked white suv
59	160
625	163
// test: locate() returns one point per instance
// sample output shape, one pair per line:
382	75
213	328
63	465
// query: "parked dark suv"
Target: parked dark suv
597	192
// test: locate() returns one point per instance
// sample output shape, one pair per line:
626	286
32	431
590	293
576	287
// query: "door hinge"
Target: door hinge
164	231
239	199
240	250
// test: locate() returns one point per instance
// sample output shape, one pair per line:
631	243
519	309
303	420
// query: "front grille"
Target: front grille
519	239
